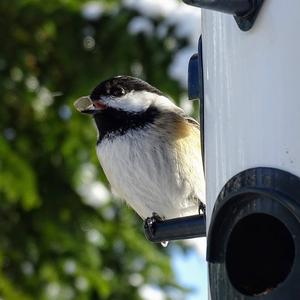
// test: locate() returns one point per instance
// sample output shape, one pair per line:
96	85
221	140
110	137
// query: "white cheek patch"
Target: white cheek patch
137	101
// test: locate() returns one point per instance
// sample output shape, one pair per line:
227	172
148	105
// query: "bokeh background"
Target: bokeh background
62	236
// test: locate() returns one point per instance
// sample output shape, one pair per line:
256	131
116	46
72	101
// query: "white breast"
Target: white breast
152	175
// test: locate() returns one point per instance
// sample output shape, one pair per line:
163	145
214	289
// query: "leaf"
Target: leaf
17	179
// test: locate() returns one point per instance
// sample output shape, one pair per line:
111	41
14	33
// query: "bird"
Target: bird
148	147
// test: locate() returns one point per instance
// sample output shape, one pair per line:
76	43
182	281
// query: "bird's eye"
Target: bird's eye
118	91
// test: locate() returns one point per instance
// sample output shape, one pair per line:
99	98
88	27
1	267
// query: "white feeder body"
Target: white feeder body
251	92
251	85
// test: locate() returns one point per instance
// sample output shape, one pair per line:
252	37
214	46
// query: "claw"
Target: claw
202	208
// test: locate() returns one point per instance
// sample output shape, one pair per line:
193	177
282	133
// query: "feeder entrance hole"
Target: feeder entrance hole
259	255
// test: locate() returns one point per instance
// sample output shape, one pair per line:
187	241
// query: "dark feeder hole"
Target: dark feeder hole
260	254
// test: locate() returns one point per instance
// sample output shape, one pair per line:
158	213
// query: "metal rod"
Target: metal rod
157	230
234	7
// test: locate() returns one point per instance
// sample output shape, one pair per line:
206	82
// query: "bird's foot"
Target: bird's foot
202	208
150	221
150	225
156	217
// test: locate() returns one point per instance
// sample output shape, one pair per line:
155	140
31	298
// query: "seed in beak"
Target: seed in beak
83	104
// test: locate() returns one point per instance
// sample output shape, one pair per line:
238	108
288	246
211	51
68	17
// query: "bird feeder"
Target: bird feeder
248	69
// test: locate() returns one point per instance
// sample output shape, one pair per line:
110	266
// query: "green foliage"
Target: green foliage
52	244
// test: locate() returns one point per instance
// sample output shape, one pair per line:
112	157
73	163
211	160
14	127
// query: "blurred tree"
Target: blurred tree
53	243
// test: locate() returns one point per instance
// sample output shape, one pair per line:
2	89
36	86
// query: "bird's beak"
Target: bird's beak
86	106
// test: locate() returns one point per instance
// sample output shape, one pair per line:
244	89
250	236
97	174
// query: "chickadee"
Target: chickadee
148	147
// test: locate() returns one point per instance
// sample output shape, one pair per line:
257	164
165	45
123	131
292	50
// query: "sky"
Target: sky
191	270
187	21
